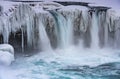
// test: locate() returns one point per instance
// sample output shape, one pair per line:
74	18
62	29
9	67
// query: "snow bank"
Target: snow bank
6	54
7	47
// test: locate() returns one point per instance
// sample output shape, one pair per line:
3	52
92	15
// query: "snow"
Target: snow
38	9
8	7
7	47
40	6
6	54
74	7
114	4
6	58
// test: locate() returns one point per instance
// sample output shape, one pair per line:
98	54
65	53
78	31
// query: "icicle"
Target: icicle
1	25
6	31
23	16
22	30
30	31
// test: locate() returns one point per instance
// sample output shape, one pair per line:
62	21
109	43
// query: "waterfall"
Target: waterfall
94	32
106	35
103	29
69	38
43	38
30	30
64	29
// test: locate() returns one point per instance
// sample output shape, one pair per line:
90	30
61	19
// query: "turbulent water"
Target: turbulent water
63	64
74	42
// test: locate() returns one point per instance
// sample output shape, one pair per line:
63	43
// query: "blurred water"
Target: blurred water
56	65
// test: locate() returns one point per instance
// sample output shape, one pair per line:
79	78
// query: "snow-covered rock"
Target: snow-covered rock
7	47
6	54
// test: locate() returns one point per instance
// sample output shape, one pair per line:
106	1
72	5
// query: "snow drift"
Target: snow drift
6	54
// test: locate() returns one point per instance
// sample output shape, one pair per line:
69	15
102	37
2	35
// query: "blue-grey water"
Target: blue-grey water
43	70
65	65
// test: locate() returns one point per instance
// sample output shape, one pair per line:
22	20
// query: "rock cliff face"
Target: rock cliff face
21	25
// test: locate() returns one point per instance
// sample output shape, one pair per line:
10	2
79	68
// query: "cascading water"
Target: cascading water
69	38
94	32
43	38
37	27
64	29
103	29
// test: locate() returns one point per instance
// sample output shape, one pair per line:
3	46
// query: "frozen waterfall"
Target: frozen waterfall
37	27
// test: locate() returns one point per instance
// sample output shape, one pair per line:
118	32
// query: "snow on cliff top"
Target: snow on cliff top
7	4
74	7
114	4
8	7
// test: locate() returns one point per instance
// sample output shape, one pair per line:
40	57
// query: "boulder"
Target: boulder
7	47
6	54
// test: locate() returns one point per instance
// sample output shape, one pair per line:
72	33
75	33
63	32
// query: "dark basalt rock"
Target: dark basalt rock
65	3
99	8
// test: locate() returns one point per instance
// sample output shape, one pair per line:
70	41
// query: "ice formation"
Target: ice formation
62	25
6	54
